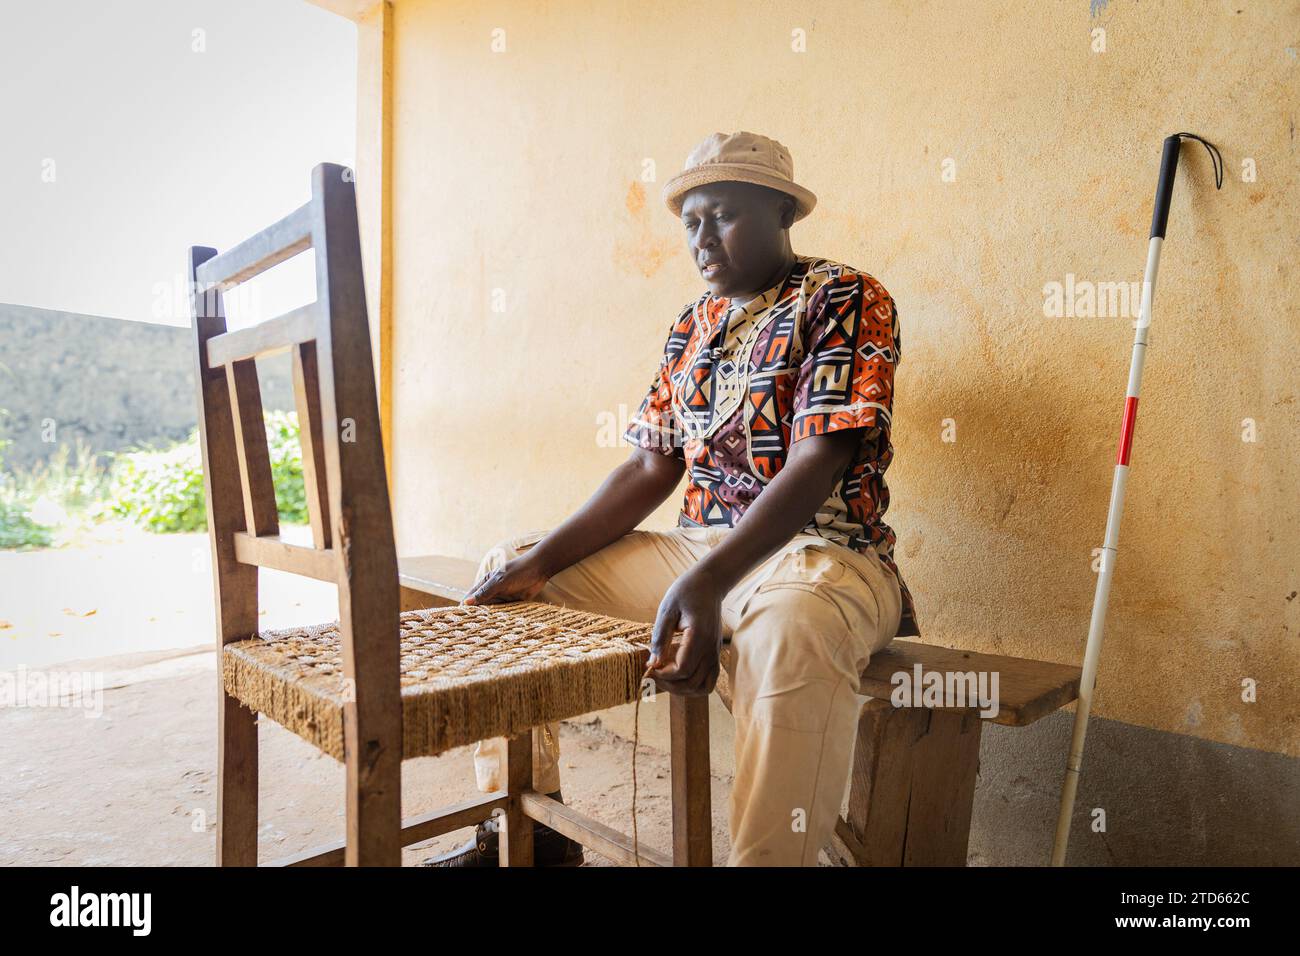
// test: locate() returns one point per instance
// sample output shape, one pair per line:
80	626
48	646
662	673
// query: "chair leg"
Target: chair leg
517	832
692	798
236	782
374	795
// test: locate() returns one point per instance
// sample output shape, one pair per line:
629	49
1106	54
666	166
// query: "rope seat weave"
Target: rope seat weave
468	672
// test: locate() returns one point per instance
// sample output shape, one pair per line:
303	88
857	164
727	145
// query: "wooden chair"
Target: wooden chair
913	784
356	699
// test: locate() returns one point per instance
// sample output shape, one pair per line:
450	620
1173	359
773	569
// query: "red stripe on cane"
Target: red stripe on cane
1126	431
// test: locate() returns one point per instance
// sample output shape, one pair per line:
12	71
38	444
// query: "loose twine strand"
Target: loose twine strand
636	736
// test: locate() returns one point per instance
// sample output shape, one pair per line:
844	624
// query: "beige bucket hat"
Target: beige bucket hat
739	157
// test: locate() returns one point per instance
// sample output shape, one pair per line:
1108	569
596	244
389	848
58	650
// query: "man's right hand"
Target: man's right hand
517	580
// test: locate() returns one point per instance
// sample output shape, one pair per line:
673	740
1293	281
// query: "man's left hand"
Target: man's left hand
693	605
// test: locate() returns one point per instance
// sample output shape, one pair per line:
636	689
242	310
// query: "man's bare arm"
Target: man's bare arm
813	468
626	497
693	603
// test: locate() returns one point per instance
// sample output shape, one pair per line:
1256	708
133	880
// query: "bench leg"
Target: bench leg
912	790
692	799
516	845
236	782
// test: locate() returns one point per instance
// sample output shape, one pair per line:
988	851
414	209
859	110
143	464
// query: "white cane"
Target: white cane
1110	546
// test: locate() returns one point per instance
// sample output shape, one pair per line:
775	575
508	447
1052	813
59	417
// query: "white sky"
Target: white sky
157	147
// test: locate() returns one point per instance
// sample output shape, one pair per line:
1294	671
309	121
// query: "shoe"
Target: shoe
550	847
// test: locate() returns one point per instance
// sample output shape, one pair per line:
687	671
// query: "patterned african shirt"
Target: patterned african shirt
738	383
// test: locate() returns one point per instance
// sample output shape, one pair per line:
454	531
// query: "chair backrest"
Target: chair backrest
343	455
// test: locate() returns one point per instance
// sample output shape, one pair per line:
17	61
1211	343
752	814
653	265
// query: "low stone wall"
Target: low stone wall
112	383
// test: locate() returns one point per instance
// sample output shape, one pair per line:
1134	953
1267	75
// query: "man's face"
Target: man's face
736	235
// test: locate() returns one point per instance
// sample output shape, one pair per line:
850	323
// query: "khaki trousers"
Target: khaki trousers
802	626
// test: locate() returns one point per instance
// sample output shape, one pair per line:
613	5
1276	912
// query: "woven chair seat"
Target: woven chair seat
468	672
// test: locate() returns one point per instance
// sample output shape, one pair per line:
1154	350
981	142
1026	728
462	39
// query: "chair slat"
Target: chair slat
260	515
265	338
306	397
277	242
272	552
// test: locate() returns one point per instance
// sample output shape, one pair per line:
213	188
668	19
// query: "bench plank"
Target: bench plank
1027	689
433	580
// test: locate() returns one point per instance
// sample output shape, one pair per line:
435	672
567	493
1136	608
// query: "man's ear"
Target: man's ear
787	209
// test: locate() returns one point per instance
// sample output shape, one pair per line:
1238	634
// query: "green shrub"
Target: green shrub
162	489
18	531
72	478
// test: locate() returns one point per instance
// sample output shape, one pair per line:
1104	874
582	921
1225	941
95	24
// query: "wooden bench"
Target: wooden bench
914	768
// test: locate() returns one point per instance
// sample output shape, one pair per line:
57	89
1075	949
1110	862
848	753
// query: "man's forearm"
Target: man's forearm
626	497
783	508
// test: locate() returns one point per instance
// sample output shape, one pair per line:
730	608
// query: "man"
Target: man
774	395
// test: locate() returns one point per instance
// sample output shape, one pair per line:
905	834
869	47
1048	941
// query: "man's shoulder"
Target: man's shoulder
684	320
687	312
832	275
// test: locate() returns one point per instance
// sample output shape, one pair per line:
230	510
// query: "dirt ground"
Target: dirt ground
136	784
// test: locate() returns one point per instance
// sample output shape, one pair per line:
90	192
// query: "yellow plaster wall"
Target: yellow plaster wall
535	272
